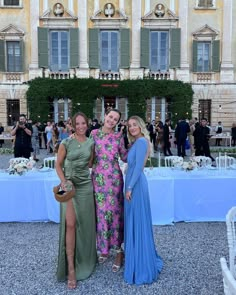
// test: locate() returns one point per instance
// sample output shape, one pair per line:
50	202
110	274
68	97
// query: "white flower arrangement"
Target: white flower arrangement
190	165
177	162
20	165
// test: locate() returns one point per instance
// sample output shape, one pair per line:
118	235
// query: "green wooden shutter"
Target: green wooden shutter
175	35
74	48
194	56
94	48
124	48
144	58
2	56
216	56
22	56
43	47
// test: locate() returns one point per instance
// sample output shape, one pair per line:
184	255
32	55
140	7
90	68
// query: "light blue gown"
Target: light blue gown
142	263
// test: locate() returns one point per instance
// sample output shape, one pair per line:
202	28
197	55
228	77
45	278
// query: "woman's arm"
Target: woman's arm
140	156
122	150
61	155
92	156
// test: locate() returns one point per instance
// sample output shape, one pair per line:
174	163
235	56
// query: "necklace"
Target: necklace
80	142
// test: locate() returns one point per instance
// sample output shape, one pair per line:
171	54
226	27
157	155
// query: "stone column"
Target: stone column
183	72
96	5
227	73
153	108
34	71
66	108
172	5
135	71
122	5
147	7
70	6
163	109
55	105
45	5
83	71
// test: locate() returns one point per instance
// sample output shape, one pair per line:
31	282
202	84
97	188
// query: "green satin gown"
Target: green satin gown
76	169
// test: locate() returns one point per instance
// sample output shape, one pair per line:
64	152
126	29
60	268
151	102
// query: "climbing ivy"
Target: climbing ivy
83	93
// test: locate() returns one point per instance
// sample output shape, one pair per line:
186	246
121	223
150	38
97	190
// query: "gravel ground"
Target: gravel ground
191	254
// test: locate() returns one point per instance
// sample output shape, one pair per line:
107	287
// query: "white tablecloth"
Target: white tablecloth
201	195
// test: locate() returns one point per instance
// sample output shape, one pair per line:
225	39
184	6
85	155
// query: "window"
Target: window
205	3
13	56
204	109
109	54
159	51
13	111
59	51
11	2
203	56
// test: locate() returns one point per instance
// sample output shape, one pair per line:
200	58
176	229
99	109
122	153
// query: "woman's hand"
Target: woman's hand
128	195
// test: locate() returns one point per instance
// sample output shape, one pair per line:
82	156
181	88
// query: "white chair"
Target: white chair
225	161
203	161
228	279
173	161
49	162
231	235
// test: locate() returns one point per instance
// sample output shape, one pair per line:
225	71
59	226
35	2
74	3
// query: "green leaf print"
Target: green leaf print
105	166
109	217
100	198
104	156
99	179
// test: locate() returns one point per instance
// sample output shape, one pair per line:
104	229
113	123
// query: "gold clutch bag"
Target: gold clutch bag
63	196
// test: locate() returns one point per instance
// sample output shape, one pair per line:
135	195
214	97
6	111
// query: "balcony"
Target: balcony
159	75
13	77
109	75
205	77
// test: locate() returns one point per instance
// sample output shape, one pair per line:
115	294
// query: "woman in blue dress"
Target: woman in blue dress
142	263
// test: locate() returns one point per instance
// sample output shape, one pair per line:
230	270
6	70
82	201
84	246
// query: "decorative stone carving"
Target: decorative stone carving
160	10
168	20
109	10
205	33
11	32
58	10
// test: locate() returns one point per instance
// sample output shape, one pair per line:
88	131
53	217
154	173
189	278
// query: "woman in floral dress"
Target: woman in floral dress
108	187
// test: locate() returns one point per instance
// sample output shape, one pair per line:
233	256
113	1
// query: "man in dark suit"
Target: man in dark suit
201	138
181	132
166	138
152	133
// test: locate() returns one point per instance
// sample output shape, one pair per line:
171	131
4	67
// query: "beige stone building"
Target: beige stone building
189	40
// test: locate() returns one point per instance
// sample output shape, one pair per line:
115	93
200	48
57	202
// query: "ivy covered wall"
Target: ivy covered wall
85	91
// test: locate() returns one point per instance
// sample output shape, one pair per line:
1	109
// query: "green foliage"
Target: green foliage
83	93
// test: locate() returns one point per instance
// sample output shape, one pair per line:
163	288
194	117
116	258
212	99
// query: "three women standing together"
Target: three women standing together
77	246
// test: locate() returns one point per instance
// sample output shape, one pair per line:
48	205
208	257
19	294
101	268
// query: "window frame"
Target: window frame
209	56
59	41
3	5
204	105
8	70
109	50
205	6
167	51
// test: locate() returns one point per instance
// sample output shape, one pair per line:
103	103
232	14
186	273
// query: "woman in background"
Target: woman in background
142	263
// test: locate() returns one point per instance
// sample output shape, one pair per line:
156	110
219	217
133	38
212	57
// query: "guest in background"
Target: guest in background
123	128
191	137
201	139
108	187
1	131
166	138
219	130
181	132
77	242
142	263
22	132
233	133
159	131
153	134
35	140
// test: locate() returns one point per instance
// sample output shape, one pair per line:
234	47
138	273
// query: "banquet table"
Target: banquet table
175	195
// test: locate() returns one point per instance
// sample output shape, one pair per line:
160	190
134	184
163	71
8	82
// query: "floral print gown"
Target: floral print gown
108	189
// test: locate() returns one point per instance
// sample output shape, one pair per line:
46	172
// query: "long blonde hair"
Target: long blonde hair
144	132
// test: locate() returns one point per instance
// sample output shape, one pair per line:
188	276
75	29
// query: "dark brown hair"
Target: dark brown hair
73	120
114	110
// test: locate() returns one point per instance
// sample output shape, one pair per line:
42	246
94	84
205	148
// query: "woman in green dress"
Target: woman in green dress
77	242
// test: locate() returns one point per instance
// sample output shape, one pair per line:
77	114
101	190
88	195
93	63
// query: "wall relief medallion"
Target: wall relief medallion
160	10
109	10
58	10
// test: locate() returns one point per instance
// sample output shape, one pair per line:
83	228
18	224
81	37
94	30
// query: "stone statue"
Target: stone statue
160	10
109	10
58	10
